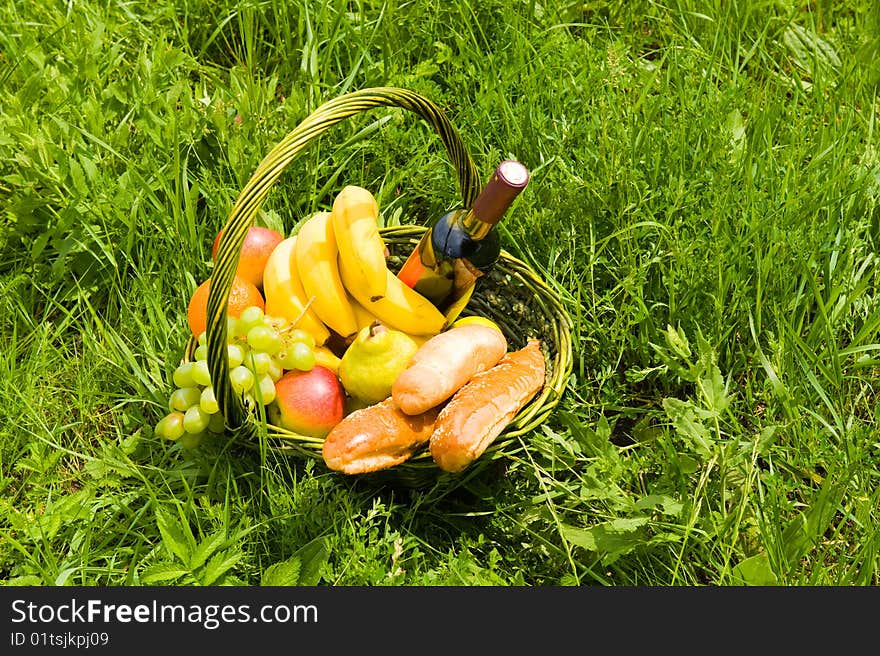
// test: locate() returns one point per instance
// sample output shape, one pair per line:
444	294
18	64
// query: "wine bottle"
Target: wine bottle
463	245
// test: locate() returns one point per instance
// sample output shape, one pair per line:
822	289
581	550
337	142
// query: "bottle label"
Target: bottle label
412	269
422	272
466	276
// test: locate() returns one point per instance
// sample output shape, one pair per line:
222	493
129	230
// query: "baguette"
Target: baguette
444	363
376	437
483	408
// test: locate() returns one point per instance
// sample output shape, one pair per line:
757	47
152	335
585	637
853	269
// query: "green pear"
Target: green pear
374	360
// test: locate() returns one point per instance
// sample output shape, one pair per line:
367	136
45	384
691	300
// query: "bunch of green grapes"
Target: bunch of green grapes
259	349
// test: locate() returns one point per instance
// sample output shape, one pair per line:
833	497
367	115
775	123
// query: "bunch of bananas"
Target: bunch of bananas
332	276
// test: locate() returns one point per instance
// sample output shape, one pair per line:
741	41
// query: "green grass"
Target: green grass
706	178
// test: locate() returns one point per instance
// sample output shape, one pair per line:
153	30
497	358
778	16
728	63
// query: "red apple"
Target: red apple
308	402
259	242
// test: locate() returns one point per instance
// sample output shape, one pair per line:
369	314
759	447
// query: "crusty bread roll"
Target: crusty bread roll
483	408
376	437
444	363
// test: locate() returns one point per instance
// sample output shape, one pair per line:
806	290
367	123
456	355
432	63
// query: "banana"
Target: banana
327	358
355	224
402	307
284	292
363	316
316	256
366	318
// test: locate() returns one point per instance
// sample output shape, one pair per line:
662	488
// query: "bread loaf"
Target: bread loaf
484	406
376	437
444	363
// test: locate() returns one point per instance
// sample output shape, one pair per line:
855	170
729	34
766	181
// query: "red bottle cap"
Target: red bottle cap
509	179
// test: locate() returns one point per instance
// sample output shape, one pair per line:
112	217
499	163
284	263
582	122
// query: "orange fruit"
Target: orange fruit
259	242
242	294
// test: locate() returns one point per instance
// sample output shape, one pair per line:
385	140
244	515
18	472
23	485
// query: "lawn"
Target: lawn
704	196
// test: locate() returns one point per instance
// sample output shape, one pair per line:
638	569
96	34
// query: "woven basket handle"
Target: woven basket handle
267	173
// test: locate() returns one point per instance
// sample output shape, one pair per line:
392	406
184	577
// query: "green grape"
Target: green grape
251	316
191	440
300	335
235	328
255	361
241	378
263	338
183	398
285	357
259	362
173	428
201	374
159	430
265	389
276	370
302	356
217	423
208	401
235	354
275	323
182	376
195	420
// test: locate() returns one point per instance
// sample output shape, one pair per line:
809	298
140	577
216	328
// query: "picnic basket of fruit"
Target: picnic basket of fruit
323	344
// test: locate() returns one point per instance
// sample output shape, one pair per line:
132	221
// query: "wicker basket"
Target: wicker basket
512	294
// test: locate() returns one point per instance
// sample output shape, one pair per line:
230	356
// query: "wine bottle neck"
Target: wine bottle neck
476	228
